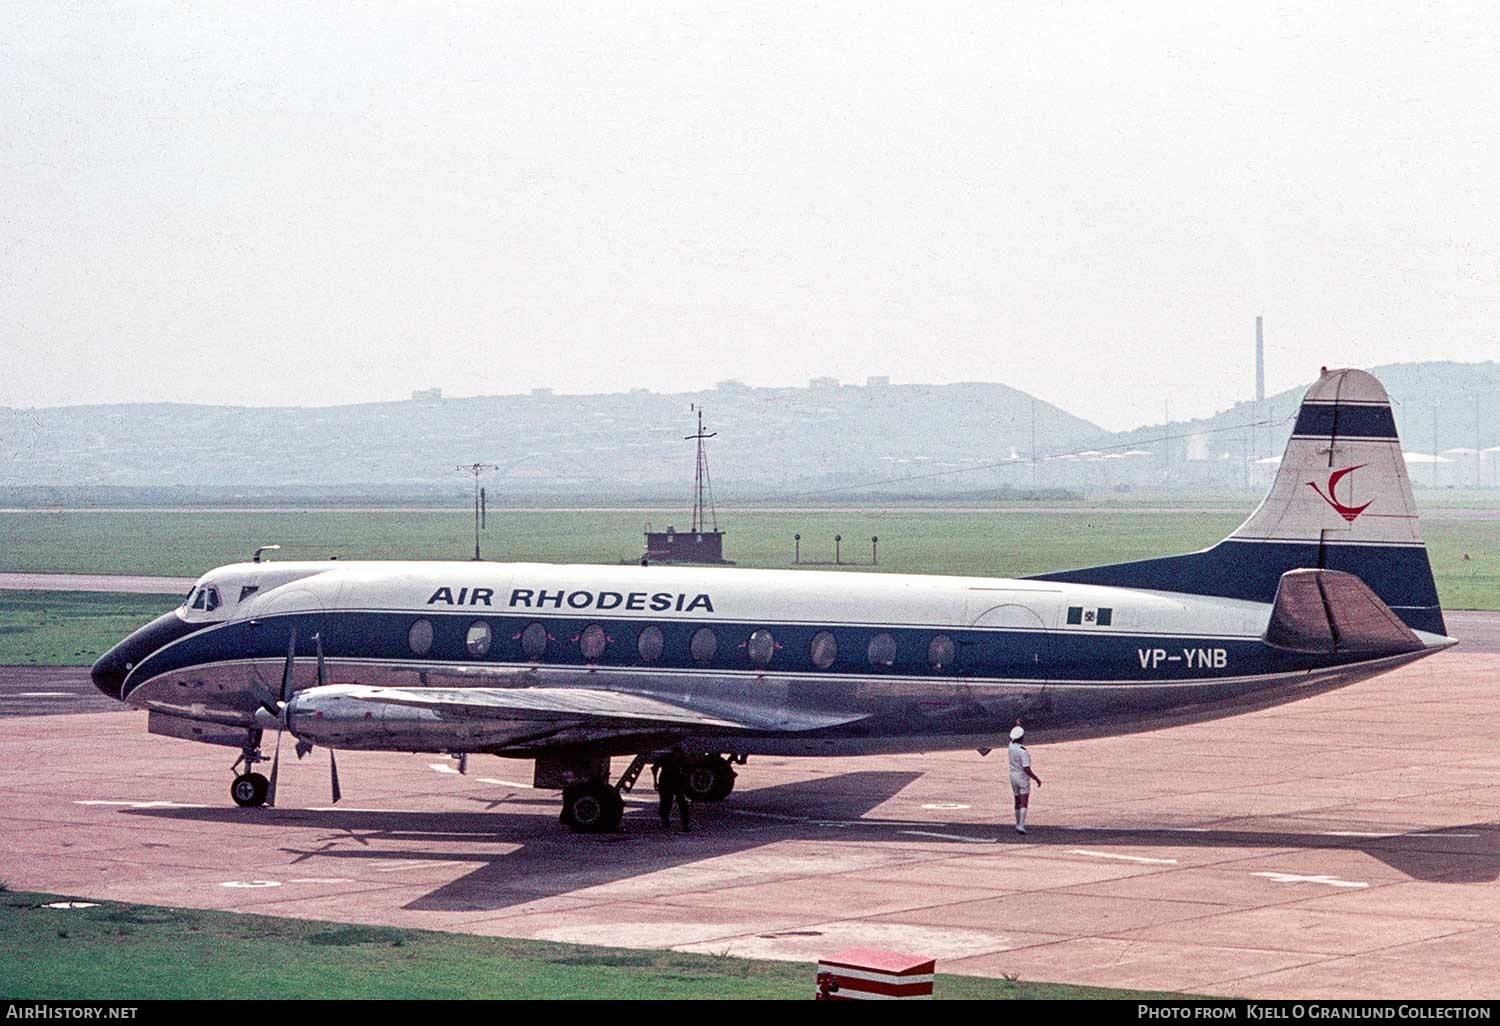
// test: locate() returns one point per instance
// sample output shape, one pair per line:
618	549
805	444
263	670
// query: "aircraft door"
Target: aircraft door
1014	641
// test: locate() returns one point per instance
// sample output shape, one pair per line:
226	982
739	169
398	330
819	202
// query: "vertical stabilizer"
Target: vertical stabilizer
1341	501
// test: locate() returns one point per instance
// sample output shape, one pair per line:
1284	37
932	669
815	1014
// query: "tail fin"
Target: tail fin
1341	501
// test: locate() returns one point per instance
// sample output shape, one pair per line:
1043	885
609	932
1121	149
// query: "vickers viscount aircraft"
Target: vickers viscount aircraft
1326	583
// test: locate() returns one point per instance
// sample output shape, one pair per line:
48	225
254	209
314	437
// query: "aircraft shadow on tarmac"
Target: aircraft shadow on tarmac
553	862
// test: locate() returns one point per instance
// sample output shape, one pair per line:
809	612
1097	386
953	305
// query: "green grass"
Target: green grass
69	628
121	952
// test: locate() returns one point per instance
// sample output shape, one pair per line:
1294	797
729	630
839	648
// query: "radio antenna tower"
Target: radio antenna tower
702	486
481	511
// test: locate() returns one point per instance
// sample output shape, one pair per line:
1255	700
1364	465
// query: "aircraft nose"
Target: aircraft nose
109	672
114	666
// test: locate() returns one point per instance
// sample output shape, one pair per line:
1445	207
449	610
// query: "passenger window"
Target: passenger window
477	641
1075	615
1106	616
882	651
940	652
420	637
704	646
760	648
650	644
534	641
592	641
824	650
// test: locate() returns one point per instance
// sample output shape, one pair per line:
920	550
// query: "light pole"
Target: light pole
480	512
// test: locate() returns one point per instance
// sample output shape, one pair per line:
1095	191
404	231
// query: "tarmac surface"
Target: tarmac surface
129	583
1341	846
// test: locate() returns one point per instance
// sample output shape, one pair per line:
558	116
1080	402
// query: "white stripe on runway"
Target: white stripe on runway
1123	858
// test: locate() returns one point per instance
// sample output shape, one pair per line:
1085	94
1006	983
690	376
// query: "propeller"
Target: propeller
278	705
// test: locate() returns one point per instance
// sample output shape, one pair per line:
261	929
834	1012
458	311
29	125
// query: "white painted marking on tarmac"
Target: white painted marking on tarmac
952	837
442	767
401	867
322	880
71	904
945	806
1435	834
1123	858
1354	833
1330	881
141	805
344	808
251	883
41	694
1364	833
504	783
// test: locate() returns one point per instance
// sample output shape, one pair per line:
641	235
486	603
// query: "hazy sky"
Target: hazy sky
332	203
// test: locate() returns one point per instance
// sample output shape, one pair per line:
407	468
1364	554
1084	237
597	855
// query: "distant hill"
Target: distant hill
626	444
1439	406
908	442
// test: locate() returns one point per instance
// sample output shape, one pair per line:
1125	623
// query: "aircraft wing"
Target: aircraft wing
586	704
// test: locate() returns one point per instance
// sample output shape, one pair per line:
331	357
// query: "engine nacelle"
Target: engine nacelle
349	716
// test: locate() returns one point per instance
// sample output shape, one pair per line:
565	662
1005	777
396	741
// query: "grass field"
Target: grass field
69	628
38	629
117	951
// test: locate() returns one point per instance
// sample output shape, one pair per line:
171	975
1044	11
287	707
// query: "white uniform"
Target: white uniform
1020	762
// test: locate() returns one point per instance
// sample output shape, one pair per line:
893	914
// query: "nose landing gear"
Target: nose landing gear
249	789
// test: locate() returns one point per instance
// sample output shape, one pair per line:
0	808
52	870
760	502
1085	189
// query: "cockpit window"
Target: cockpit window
199	597
205	598
213	600
188	598
247	590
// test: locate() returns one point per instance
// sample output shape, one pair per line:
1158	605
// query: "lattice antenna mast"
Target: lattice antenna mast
702	487
481	511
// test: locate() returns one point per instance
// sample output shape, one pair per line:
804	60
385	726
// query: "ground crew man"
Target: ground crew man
1021	776
670	776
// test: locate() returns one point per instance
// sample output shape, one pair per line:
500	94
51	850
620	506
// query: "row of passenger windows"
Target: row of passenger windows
760	647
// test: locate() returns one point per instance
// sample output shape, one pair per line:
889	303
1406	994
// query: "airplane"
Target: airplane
1325	584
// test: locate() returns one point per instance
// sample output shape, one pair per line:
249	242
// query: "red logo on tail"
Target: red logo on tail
1347	512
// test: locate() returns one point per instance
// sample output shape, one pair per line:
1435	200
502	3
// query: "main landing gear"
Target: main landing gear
596	807
592	808
249	789
711	778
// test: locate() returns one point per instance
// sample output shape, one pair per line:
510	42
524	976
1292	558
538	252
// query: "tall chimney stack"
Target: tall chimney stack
1260	363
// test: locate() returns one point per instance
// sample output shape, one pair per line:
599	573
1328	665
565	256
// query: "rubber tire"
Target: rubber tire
709	779
593	808
249	790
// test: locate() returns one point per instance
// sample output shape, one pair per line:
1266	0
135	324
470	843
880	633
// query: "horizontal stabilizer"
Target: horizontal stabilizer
1327	612
589	705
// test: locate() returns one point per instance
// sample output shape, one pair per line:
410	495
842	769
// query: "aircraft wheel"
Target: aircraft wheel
592	808
710	779
249	790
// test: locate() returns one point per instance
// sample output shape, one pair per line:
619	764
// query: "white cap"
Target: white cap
1016	733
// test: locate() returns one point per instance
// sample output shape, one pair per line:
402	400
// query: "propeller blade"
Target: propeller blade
463	762
291	659
303	747
266	699
322	665
275	765
333	770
